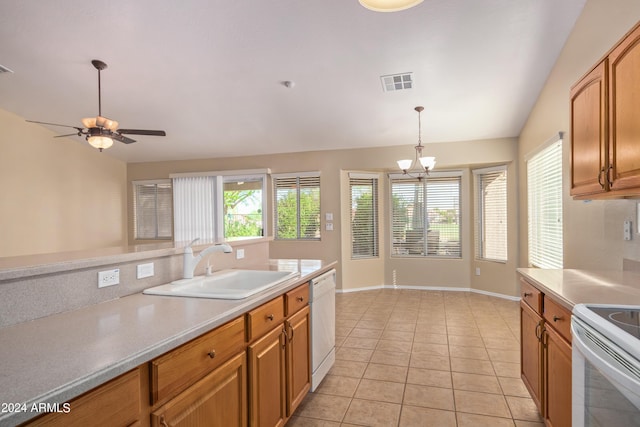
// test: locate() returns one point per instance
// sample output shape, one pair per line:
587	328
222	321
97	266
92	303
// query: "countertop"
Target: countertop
57	358
570	287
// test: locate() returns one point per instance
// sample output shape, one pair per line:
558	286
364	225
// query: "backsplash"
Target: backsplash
29	298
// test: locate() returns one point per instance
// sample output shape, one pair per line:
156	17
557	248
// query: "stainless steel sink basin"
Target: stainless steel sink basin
224	284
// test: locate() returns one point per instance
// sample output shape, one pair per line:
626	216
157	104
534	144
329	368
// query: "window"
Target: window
296	206
243	206
152	202
491	213
425	215
363	189
219	205
544	187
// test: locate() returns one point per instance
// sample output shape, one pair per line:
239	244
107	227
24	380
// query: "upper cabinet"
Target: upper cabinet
605	130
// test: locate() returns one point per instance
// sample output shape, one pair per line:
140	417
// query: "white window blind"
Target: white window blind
194	208
364	216
491	213
426	216
544	187
296	206
152	202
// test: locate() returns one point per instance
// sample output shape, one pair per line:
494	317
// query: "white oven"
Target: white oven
606	365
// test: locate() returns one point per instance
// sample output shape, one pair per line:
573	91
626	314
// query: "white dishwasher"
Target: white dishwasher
322	297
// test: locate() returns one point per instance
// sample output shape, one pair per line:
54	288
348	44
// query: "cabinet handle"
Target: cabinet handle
290	338
163	422
556	318
528	294
270	317
300	299
609	180
538	330
212	354
600	178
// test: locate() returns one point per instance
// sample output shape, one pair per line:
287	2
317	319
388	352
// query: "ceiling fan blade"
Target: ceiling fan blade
142	132
69	134
122	138
55	124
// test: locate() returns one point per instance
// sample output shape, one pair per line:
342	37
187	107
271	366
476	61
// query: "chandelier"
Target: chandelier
421	164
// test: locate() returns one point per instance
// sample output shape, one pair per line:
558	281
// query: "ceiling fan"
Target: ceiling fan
100	131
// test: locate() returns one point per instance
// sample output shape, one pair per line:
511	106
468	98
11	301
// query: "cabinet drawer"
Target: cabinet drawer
262	319
558	317
531	295
116	403
174	371
296	299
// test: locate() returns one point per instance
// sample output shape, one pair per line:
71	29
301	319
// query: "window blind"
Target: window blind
544	186
491	213
297	207
364	217
152	202
194	208
425	216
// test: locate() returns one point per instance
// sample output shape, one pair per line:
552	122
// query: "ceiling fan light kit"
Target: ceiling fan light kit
389	5
99	131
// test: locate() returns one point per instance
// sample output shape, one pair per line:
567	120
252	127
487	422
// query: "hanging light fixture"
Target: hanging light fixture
426	163
389	5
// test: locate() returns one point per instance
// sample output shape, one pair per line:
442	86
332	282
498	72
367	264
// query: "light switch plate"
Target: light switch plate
328	216
239	253
144	270
328	226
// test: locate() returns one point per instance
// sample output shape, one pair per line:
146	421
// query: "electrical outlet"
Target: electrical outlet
477	271
627	230
144	270
239	253
108	278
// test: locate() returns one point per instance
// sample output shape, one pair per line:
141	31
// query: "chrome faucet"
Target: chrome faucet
190	261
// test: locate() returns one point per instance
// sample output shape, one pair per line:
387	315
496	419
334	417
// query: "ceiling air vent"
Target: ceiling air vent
394	82
4	69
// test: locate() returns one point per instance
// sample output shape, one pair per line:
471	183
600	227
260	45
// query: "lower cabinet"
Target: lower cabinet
218	399
546	356
557	378
116	403
298	358
531	352
267	385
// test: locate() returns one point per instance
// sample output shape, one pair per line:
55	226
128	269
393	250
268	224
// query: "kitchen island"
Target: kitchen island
57	358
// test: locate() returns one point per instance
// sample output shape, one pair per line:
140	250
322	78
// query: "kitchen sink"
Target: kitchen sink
224	284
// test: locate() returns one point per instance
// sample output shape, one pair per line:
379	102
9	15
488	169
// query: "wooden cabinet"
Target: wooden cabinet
116	403
605	154
218	399
546	354
589	141
298	358
557	371
267	387
280	361
172	372
531	352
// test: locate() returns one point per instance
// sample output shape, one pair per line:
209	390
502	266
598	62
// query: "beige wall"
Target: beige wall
592	230
58	195
333	166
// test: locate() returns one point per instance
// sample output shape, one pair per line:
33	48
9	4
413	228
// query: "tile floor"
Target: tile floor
422	358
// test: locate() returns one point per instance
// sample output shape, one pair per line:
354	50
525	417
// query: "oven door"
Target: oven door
606	381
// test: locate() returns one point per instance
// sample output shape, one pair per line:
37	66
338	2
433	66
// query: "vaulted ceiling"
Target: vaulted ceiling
211	73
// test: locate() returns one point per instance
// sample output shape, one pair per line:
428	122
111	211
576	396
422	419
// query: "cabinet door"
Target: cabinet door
557	379
267	380
589	149
218	399
624	103
298	358
531	352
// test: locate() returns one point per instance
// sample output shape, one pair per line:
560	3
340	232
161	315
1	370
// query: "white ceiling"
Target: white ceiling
210	72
